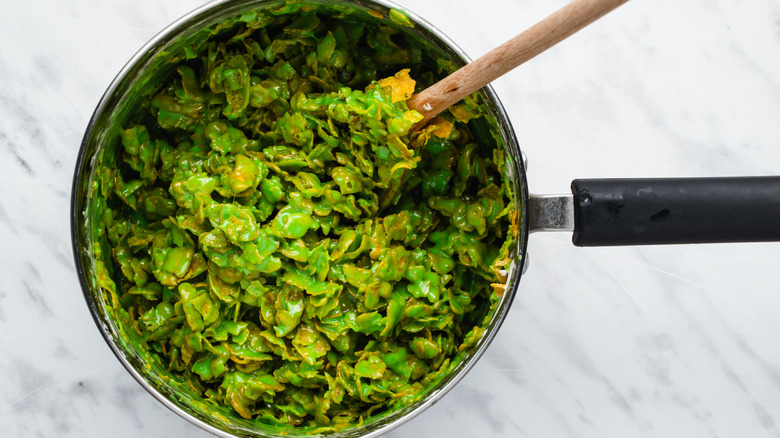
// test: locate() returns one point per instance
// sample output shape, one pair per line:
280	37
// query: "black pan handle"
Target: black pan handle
609	212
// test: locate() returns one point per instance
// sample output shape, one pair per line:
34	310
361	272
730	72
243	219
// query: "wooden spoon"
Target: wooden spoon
543	35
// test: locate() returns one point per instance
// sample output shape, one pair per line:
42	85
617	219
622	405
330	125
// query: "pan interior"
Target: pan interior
119	108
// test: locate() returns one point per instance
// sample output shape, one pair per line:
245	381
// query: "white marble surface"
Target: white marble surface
676	341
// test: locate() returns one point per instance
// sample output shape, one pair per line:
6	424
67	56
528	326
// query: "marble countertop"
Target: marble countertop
625	342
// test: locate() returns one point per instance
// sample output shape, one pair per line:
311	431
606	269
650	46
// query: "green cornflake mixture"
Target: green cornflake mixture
283	244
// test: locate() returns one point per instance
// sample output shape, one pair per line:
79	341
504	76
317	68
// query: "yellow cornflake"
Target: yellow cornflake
463	113
443	127
412	116
400	84
400	17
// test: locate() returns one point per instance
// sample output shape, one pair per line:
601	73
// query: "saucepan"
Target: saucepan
599	212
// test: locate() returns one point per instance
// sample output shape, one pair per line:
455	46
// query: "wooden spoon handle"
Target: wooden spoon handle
543	35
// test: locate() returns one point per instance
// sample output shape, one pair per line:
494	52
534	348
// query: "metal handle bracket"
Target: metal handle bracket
551	213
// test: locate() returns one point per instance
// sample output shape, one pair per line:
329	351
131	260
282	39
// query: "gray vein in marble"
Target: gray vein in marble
574	355
762	416
754	64
126	400
562	420
481	401
22	162
765	419
636	306
6	221
37	297
728	371
30	381
3	295
772	373
33	218
41	394
62	352
654	348
33	130
59	250
25	132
